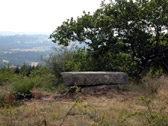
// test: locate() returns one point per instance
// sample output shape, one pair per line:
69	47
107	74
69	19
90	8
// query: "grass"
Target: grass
93	110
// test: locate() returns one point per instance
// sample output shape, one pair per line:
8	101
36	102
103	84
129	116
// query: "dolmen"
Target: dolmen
94	80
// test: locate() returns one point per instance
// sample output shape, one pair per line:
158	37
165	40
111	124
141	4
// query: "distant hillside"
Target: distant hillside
19	49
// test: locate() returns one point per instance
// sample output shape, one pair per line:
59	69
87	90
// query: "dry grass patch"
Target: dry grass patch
109	110
92	110
36	93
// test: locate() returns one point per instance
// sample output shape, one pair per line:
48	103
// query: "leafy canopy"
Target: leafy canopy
130	36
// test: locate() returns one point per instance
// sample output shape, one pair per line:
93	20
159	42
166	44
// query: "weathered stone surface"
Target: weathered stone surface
94	78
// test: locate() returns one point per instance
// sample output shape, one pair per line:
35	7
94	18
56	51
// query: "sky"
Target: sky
41	15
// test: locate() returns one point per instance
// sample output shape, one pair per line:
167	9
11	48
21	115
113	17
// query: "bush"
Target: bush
150	85
150	117
38	78
44	78
47	82
21	87
7	76
68	59
3	100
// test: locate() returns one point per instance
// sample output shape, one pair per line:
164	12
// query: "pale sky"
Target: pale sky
41	15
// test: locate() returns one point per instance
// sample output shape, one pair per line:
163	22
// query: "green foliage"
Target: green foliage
3	98
61	88
21	87
150	85
40	77
7	75
77	62
25	70
56	61
43	78
125	36
68	59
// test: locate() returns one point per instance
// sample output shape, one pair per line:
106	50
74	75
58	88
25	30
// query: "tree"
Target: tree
122	35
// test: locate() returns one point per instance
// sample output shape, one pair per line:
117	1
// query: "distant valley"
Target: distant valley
15	50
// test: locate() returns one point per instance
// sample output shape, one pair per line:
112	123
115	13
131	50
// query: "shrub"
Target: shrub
7	76
56	60
44	78
150	85
61	88
21	87
45	82
68	59
38	78
3	100
150	117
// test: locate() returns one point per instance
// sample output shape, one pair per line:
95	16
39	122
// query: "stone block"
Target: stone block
94	78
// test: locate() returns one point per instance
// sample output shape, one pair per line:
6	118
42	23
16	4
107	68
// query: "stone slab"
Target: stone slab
94	78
